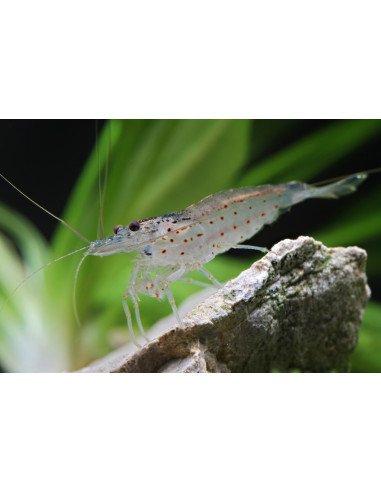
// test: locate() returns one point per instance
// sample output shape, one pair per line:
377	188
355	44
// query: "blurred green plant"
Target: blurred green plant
157	167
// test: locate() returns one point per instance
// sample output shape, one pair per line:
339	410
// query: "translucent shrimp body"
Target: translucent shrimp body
170	246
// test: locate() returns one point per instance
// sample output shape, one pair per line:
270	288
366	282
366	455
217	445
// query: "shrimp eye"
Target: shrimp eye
134	226
117	229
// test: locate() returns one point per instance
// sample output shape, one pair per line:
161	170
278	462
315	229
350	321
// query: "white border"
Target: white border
206	58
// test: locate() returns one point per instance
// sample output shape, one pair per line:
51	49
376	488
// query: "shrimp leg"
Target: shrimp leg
134	299
128	317
155	287
247	246
175	275
208	275
194	282
168	292
172	302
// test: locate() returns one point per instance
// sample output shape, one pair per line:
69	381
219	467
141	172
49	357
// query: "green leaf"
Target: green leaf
312	154
367	356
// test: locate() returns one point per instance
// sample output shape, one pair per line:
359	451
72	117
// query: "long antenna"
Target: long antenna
45	210
327	181
75	291
101	190
38	270
106	169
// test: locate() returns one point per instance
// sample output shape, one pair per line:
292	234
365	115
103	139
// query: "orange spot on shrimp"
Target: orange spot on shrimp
182	252
164	251
185	240
248	221
211	222
177	232
221	218
171	240
191	238
156	294
221	234
235	213
164	238
250	208
276	206
225	206
263	214
199	235
234	227
169	229
264	200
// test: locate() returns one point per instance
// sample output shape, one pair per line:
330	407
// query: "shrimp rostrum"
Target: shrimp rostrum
172	245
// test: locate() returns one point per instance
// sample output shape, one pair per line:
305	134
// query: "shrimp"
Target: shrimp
173	245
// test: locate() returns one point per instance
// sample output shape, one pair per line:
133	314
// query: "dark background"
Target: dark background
36	152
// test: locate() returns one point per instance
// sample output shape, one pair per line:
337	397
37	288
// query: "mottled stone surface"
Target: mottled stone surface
298	307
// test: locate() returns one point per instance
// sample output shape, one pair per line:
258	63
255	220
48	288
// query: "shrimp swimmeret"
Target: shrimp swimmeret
170	246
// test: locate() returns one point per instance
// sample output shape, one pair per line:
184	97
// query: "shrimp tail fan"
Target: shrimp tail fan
340	188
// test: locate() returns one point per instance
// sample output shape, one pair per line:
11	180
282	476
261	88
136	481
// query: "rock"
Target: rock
299	307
